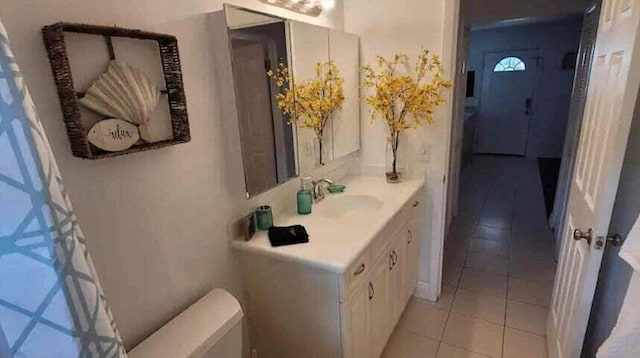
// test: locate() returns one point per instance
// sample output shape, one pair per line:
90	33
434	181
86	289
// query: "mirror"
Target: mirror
344	52
273	150
258	44
310	46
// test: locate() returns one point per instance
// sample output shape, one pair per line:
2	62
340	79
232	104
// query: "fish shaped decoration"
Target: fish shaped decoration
113	135
124	92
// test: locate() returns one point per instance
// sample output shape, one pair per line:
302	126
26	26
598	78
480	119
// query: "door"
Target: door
576	115
256	122
398	278
380	304
611	98
413	258
358	323
506	102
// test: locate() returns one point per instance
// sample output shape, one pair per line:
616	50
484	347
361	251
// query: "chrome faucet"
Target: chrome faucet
318	192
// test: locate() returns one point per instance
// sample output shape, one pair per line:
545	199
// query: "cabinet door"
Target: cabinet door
412	244
358	323
344	52
309	46
398	272
380	304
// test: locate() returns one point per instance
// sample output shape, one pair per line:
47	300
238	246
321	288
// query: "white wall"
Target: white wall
155	222
387	27
484	11
553	85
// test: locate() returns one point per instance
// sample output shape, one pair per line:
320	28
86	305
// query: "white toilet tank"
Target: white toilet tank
210	328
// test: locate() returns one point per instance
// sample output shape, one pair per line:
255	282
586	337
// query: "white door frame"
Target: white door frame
457	126
451	19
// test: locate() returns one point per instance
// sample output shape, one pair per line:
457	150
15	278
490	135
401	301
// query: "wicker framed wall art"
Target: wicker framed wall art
123	95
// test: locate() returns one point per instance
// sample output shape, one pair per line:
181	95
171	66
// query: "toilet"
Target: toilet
210	328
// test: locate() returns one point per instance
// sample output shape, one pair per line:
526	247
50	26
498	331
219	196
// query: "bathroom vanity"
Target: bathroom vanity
341	294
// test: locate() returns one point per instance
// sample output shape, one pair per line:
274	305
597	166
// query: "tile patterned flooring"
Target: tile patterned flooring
498	271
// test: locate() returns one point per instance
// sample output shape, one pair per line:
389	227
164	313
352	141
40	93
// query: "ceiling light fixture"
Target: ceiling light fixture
307	7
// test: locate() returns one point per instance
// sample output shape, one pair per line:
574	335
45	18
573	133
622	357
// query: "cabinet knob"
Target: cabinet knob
359	270
415	203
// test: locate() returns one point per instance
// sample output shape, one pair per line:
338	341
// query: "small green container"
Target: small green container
304	198
264	217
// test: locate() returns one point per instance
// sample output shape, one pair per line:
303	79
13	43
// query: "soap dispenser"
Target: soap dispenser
304	197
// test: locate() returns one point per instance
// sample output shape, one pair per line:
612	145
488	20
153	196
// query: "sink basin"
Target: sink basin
339	206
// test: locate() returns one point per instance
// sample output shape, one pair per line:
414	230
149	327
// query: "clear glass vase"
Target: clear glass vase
318	152
393	159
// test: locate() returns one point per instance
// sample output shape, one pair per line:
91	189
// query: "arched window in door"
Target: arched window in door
510	64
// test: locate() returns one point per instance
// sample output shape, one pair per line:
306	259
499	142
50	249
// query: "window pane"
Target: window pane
510	64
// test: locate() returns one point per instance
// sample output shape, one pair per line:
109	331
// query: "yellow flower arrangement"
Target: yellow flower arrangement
309	103
404	100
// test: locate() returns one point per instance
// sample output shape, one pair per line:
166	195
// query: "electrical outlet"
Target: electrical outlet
424	153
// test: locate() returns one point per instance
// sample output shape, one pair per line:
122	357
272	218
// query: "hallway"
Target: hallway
498	271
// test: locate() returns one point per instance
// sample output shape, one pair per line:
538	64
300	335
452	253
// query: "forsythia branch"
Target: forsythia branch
310	103
402	100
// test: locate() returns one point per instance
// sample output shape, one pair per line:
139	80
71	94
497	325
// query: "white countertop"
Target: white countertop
334	243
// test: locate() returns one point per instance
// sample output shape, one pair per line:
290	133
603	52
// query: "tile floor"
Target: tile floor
498	271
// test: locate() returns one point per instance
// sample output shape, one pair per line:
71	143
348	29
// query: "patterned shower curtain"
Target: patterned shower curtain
51	303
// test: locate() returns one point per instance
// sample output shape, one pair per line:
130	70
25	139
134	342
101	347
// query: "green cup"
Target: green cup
264	217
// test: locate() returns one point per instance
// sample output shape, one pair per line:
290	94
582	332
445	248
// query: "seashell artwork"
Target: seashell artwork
126	93
113	135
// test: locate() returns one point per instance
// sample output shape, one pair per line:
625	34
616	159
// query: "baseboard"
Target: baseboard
426	291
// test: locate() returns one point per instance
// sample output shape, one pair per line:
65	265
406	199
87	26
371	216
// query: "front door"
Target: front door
611	99
506	102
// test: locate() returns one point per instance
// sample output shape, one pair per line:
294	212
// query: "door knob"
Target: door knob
580	235
613	240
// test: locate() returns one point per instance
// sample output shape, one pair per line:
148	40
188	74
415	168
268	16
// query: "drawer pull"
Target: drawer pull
372	291
359	270
393	260
410	237
415	203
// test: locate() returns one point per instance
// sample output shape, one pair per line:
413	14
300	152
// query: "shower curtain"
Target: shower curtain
51	303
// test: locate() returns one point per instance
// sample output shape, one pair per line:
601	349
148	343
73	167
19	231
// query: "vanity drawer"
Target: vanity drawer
385	237
414	205
358	270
